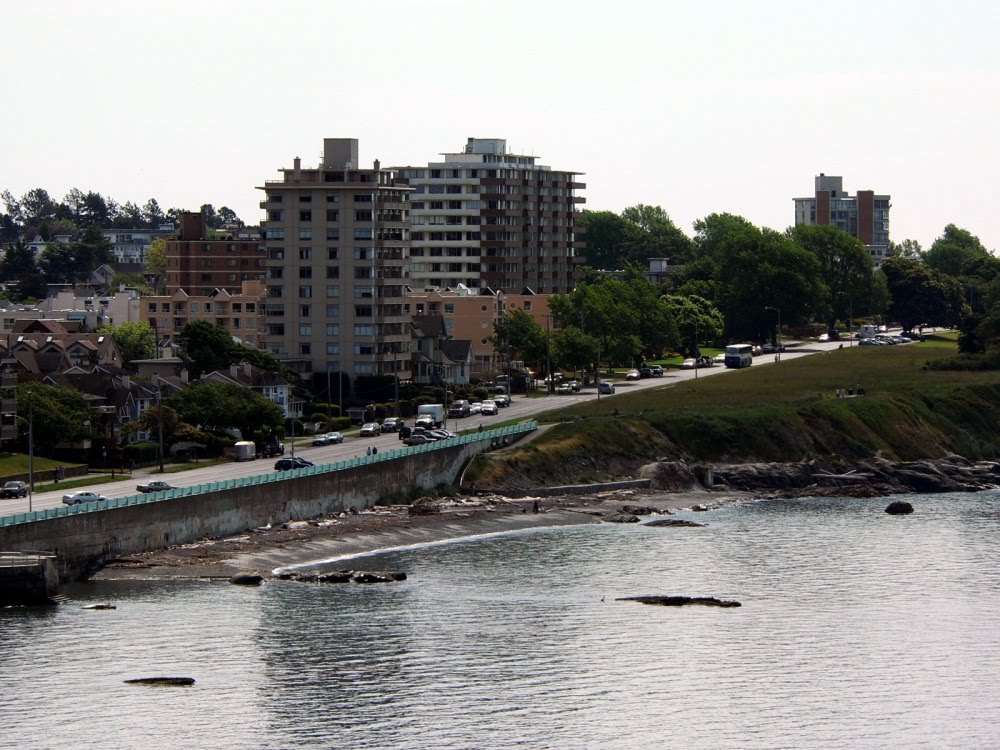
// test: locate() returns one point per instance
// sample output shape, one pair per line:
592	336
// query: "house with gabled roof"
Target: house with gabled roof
271	385
437	358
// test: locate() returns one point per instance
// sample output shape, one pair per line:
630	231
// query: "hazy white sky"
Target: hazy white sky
698	106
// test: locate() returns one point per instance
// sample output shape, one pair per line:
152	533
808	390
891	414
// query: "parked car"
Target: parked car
287	464
720	358
16	488
646	372
606	388
689	364
564	389
501	400
370	429
475	408
83	496
155	486
490	407
391	424
632	375
657	371
325	438
404	432
439	434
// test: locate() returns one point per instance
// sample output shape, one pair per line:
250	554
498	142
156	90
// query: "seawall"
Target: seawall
85	541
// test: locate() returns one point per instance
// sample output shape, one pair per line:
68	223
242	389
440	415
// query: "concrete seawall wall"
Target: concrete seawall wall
85	541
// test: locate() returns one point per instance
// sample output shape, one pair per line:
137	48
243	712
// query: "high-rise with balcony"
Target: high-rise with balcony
337	247
488	218
864	216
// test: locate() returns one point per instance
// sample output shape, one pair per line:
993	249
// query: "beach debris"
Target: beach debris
680	601
162	681
296	525
101	606
622	518
247	579
899	508
674	522
342	576
424	506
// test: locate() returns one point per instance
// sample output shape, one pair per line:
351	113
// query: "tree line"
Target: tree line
730	280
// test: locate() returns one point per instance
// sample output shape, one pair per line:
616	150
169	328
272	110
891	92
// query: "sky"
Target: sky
700	107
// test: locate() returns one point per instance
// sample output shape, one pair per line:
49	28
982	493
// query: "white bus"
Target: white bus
739	355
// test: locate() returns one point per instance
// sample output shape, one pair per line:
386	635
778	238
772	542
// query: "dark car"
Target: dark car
16	488
287	464
404	432
418	439
391	424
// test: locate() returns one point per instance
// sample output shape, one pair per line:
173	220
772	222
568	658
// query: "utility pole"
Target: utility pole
159	421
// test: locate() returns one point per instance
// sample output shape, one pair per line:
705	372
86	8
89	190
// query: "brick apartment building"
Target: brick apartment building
864	216
198	265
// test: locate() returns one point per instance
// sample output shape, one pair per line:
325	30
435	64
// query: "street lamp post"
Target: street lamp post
159	420
30	421
777	356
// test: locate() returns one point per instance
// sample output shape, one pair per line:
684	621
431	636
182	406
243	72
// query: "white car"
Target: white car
489	407
475	408
83	496
689	364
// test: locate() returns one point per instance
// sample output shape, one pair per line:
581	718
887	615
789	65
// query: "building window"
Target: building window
333	311
305	198
332	348
305	311
332	215
274	234
333	329
305	273
363	234
305	234
362	215
305	329
333	197
333	272
305	292
305	349
332	253
305	215
364	330
332	233
305	253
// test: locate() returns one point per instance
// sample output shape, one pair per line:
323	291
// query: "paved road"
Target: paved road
520	408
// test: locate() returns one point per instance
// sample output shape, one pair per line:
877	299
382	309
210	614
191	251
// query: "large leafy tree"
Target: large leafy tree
215	407
57	414
952	249
697	320
18	261
845	268
156	260
205	347
922	295
760	269
660	237
906	249
136	339
608	237
518	336
573	349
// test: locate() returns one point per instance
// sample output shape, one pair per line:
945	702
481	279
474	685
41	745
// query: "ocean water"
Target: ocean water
857	630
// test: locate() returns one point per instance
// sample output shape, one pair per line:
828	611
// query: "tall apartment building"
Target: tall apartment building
337	241
199	265
487	218
864	216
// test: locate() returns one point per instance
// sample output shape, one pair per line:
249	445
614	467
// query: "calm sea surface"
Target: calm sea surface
857	630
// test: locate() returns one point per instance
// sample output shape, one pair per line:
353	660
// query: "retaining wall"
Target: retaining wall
85	541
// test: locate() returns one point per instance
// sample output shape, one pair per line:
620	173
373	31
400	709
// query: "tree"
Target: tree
573	349
845	268
921	295
758	269
228	217
58	263
137	340
518	335
152	214
910	249
156	261
129	216
58	414
18	261
95	211
659	238
31	286
216	407
211	217
952	249
205	348
697	320
608	237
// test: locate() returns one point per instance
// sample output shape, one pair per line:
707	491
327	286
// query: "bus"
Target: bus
739	355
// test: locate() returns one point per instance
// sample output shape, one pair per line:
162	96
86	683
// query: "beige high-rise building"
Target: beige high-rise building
337	241
489	218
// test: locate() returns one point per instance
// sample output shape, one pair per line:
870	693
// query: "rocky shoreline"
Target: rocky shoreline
673	485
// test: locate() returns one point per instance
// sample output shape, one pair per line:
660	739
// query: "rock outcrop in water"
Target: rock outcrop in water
162	681
899	508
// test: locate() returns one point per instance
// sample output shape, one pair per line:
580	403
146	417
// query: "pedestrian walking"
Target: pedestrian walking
369	450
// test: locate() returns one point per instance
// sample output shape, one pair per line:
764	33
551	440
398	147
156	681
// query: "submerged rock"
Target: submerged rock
680	601
622	518
899	508
100	606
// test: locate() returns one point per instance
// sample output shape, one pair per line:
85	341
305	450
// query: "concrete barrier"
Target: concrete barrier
86	541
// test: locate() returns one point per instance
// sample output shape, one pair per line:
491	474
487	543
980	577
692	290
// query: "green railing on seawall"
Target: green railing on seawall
497	437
